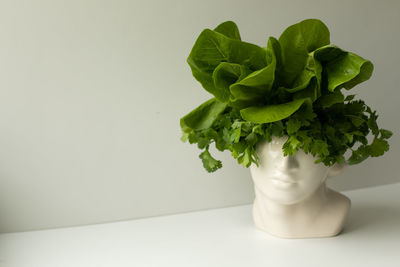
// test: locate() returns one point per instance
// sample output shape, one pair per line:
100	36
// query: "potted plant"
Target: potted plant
281	109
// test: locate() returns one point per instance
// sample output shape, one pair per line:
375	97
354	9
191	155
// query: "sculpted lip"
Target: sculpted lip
287	181
283	183
283	177
283	180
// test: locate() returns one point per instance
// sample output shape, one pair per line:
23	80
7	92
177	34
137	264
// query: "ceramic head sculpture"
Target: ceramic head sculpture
283	111
292	200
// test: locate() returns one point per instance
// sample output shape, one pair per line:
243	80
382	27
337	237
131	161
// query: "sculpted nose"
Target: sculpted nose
289	163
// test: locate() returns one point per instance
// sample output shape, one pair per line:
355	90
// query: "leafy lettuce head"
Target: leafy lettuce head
292	87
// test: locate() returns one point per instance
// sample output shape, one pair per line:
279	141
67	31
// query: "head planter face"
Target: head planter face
291	179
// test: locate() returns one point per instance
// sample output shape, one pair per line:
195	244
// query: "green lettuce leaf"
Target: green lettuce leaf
226	74
343	69
203	116
297	41
255	88
328	53
271	113
211	48
229	29
312	91
310	78
274	52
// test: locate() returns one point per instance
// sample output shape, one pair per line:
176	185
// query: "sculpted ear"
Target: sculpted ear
336	169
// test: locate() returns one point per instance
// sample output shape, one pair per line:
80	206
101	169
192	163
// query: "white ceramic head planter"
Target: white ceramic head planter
292	200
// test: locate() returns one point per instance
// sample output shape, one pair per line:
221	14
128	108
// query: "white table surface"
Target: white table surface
220	237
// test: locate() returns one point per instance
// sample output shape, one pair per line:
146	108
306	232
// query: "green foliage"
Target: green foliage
290	87
297	43
202	117
209	163
212	48
271	113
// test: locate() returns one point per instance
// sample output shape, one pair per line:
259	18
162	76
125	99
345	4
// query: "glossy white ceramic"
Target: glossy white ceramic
292	200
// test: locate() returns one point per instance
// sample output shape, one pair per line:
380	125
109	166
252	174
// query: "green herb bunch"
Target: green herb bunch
292	87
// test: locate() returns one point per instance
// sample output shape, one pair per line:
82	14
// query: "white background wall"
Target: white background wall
91	93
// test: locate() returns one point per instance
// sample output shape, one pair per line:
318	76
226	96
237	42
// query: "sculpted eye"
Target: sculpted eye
274	154
274	142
